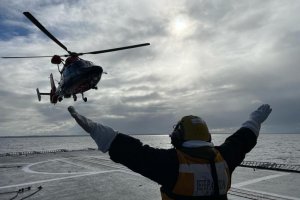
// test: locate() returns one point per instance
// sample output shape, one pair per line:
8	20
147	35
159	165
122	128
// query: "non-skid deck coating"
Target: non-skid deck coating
92	175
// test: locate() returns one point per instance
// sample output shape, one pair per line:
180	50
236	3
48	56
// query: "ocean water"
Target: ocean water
278	148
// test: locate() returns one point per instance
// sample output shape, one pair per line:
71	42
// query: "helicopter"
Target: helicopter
77	75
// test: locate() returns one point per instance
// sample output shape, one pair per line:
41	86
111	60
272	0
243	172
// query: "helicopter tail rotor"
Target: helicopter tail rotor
40	93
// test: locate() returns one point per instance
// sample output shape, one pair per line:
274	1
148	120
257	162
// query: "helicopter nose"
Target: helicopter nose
97	70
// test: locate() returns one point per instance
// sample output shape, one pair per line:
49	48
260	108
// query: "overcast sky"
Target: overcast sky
216	59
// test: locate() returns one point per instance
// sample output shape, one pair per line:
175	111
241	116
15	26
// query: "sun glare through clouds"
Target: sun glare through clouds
181	26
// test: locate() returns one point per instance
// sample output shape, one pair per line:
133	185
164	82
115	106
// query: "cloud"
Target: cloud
216	59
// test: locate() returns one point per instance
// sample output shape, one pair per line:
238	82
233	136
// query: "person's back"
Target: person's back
194	168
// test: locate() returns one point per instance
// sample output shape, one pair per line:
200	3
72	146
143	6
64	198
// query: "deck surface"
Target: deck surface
92	175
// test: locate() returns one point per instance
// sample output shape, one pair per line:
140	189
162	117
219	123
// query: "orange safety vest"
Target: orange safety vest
197	178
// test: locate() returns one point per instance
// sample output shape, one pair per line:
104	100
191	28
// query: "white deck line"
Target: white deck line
240	185
271	194
28	170
12	163
56	179
237	185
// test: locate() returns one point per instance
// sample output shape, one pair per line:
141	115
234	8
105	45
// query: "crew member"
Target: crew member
194	168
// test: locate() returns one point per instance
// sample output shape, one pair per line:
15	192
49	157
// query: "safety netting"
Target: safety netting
271	166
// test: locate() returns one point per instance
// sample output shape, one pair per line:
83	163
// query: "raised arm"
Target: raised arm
102	135
159	165
241	142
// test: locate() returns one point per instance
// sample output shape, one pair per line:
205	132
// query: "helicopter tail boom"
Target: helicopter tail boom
53	87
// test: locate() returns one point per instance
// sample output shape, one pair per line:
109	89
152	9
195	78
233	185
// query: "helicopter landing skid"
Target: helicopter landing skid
83	98
74	97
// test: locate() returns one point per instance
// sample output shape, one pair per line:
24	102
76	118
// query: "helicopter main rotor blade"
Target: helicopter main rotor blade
114	49
44	30
26	56
79	54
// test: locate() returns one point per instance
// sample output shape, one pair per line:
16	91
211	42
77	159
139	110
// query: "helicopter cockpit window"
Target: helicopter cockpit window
72	68
76	68
87	64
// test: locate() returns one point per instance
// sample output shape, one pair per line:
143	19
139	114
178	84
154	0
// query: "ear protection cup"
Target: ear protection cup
177	135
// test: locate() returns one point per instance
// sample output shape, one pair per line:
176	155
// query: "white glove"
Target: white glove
103	135
257	117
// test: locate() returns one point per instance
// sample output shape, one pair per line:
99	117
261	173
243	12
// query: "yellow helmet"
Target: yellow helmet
190	128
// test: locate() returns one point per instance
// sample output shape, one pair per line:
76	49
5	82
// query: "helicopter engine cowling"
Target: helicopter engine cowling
56	59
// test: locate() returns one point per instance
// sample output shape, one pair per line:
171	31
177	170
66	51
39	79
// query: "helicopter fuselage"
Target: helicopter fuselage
77	78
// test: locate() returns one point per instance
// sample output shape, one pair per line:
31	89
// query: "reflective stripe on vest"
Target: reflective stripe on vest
195	177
